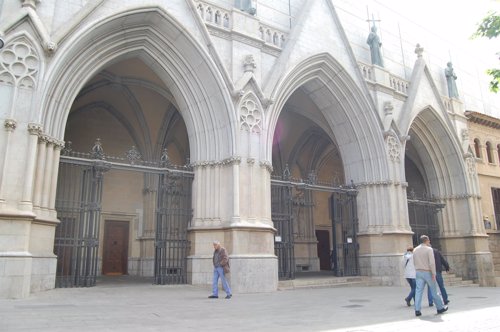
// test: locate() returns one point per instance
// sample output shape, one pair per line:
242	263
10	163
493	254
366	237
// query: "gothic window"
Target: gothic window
200	10
217	17
495	193
489	152
262	34
275	39
477	148
208	16
268	37
226	21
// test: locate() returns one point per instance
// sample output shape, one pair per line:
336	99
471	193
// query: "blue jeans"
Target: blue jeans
219	273
413	286
440	282
424	277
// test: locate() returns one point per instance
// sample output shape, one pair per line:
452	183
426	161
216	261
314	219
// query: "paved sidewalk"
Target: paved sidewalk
145	307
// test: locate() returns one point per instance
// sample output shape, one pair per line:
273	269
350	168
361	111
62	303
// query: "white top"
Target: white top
409	266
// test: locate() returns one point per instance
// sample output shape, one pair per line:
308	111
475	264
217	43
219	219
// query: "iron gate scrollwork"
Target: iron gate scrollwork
78	204
345	246
173	216
423	217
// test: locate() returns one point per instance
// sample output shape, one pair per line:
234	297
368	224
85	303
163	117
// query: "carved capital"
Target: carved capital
35	129
10	124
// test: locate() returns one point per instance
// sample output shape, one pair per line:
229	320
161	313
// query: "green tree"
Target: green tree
489	27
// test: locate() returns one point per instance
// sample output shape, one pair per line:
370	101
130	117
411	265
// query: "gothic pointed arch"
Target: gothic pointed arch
351	122
164	45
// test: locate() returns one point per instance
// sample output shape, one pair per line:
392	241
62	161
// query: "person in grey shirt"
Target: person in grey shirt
425	266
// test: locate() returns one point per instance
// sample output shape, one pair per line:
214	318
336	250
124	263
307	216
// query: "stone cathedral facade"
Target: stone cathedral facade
136	133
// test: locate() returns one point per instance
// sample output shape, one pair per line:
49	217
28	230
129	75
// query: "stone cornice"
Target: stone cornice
483	119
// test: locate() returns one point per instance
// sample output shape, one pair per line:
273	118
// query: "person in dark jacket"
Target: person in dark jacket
440	263
221	267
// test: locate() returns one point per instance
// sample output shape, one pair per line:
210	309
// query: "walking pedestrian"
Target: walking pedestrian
410	274
425	266
221	267
440	263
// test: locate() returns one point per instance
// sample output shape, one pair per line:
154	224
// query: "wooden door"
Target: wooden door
323	238
115	247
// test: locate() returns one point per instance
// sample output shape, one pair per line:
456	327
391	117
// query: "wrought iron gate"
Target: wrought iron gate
281	211
78	206
344	222
173	215
423	217
345	246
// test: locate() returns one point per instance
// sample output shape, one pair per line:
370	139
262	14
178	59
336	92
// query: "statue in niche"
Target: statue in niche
451	78
375	44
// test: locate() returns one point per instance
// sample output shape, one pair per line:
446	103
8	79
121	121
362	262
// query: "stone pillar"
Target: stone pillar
247	234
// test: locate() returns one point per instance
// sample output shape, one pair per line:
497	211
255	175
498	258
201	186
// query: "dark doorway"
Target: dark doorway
323	238
115	254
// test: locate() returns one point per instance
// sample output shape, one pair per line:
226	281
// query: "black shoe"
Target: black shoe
440	311
228	296
213	297
446	302
418	313
431	304
408	302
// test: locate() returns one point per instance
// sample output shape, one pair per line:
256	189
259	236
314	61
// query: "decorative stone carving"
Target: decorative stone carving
251	115
19	64
249	63
393	148
10	124
34	129
471	163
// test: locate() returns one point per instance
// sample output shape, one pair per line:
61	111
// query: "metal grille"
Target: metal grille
345	224
344	230
281	210
173	216
424	220
78	204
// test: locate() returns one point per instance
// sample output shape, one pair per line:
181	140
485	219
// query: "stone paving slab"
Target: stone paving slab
145	307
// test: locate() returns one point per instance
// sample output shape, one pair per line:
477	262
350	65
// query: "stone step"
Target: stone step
325	282
450	279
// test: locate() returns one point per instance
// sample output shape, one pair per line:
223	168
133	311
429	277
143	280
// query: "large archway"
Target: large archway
324	131
141	84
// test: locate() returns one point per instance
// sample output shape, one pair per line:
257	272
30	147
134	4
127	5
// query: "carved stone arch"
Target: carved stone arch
440	152
20	63
349	116
164	44
251	113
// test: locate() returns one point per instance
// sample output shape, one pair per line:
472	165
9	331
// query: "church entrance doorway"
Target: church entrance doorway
115	247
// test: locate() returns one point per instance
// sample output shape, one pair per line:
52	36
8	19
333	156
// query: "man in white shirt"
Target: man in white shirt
425	266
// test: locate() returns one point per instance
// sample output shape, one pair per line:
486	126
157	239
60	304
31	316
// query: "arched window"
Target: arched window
477	148
489	152
498	153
